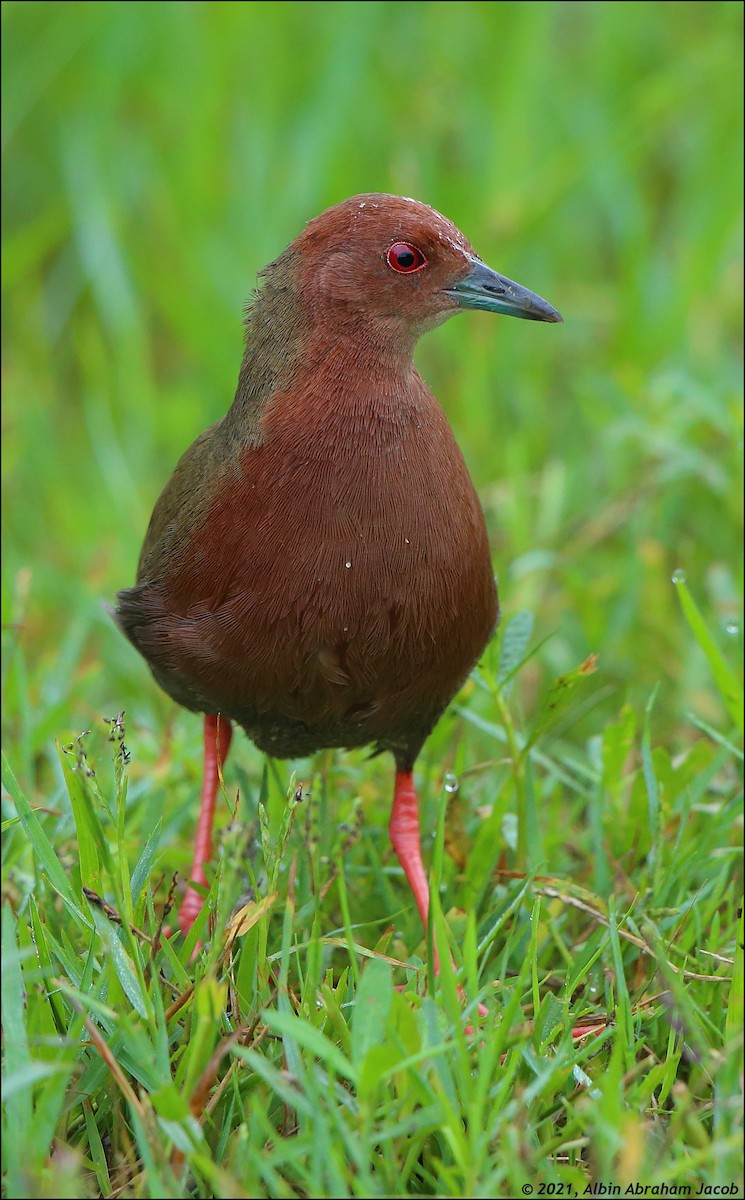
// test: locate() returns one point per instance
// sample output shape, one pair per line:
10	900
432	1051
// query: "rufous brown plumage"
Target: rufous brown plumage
317	568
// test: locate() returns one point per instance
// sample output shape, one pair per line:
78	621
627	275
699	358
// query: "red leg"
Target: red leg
217	735
404	832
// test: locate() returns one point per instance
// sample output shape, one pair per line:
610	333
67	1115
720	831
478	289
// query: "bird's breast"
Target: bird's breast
342	561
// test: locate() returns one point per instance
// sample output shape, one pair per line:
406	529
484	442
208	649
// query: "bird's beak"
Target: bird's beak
484	288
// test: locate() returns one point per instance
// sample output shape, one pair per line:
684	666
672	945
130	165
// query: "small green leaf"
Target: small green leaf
371	1010
19	1069
618	742
378	1062
729	686
40	842
560	696
304	1034
735	1007
514	645
170	1103
123	965
84	820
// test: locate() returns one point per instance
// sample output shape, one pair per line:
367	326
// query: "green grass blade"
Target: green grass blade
729	686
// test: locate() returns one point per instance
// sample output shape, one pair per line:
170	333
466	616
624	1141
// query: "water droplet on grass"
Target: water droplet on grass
451	783
679	576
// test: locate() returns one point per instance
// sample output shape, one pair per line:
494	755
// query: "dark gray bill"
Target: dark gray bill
484	288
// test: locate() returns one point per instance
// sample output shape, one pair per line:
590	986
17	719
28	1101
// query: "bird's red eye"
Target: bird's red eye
405	258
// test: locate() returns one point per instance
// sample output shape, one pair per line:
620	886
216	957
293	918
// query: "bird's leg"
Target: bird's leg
404	833
217	735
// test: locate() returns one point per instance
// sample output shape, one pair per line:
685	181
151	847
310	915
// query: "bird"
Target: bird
317	569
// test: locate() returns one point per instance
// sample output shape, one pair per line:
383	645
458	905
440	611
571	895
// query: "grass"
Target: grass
584	812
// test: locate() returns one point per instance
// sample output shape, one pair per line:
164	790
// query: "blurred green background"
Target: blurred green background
157	155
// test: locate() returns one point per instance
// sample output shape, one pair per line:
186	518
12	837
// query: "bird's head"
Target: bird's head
394	268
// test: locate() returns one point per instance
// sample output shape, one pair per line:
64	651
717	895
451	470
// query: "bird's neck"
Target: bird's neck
274	344
305	366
